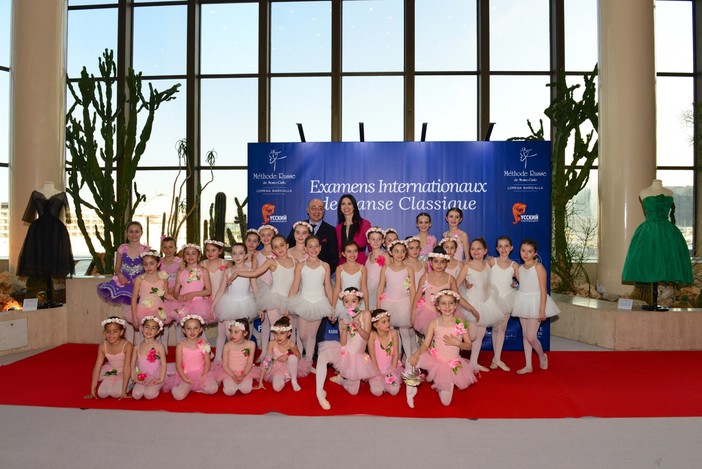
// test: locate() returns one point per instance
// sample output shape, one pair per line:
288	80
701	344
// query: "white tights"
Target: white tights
230	387
307	335
529	329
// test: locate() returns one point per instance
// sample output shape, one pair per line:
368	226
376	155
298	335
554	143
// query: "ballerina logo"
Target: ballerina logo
525	154
273	158
520	215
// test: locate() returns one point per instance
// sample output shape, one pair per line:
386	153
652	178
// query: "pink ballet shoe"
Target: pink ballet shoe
336	379
499	364
525	370
481	368
543	362
323	402
411	392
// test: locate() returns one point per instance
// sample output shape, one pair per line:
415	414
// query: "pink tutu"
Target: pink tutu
159	312
352	366
199	305
199	381
444	376
109	374
390	380
399	310
423	315
254	374
304	367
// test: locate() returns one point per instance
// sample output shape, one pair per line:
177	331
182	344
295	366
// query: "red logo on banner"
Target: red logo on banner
267	210
518	210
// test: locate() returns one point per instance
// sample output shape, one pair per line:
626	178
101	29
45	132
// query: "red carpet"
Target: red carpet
578	384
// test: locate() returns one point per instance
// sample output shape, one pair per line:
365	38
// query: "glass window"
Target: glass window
91	2
584	219
303	100
4	213
160	38
580	35
673	23
168	127
158	187
5	31
229	36
448	105
445	35
375	101
674	97
519	35
301	37
373	36
234	184
513	100
4	120
90	32
681	183
229	118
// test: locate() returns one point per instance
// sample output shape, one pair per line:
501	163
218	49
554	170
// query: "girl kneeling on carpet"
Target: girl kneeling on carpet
118	352
282	362
238	371
148	368
348	355
383	349
192	366
439	353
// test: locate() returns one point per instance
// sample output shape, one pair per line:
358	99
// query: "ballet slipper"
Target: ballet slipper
296	387
525	370
411	392
480	367
499	364
322	399
336	379
543	362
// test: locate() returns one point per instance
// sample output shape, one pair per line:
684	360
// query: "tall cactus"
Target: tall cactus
103	113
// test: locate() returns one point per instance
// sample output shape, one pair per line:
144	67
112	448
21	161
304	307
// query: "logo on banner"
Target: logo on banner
268	214
274	157
525	154
520	215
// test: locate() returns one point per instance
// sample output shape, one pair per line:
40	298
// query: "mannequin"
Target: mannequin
656	188
48	189
658	251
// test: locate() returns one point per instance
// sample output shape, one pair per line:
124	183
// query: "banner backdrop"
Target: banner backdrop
503	188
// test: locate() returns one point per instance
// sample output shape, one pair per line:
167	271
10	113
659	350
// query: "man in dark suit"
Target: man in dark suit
324	231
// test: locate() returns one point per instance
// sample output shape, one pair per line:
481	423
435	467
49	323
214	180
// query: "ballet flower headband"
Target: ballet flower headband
119	321
439	255
150	252
267	227
281	328
413	239
449	293
395	243
445	240
215	242
380	316
375	229
355	293
251	230
237	325
191	246
390	230
154	319
303	223
192	316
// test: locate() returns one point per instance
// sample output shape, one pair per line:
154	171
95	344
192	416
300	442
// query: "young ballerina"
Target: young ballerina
310	297
412	259
383	350
252	241
148	366
532	304
237	359
454	217
374	263
235	299
502	273
273	301
434	280
474	281
301	230
266	234
454	266
215	263
192	364
439	353
192	290
112	376
426	241
282	359
170	263
390	236
395	293
350	274
348	354
150	289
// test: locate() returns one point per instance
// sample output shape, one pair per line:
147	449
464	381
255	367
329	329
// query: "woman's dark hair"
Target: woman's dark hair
356	219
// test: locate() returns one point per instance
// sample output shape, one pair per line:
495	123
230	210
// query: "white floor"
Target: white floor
36	437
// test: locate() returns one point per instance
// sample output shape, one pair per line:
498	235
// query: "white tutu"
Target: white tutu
310	310
490	313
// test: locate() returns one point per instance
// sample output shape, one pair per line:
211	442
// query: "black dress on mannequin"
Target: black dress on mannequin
47	248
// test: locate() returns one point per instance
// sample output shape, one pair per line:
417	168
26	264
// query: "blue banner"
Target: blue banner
503	188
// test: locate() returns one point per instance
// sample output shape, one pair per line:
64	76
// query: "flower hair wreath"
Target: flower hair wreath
395	243
192	316
375	229
215	242
119	321
413	239
445	240
356	293
191	246
251	230
281	328
150	252
380	316
439	255
238	325
303	223
267	227
154	319
449	293
391	230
